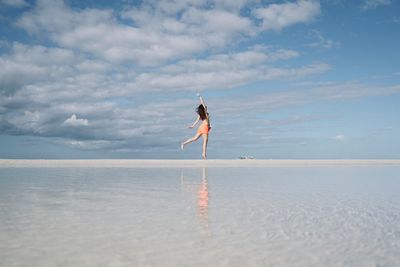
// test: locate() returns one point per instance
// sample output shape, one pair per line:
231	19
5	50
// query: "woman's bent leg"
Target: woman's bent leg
197	136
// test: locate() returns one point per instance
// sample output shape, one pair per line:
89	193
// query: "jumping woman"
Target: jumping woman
204	127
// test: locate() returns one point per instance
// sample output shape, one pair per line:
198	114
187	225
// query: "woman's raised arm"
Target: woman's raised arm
202	100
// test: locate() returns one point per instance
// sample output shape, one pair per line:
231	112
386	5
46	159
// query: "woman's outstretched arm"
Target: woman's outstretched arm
202	100
204	105
195	122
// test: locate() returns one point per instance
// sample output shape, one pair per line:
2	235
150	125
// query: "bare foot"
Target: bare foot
204	156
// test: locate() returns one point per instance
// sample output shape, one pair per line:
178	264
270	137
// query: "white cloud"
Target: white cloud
278	16
15	3
339	138
28	121
14	74
217	21
54	74
227	76
42	55
157	37
321	42
272	101
372	4
74	121
105	70
40	67
156	123
88	144
55	18
231	61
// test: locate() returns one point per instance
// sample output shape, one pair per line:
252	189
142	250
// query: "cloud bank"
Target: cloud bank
117	78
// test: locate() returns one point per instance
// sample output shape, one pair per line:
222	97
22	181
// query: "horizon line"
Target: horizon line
154	163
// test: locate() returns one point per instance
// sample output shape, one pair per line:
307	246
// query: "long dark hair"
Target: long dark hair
201	110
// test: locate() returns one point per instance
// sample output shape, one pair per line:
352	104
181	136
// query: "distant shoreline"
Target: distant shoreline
151	163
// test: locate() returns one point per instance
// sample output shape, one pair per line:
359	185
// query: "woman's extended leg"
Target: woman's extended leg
205	141
197	136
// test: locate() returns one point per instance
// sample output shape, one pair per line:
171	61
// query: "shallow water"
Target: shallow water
275	216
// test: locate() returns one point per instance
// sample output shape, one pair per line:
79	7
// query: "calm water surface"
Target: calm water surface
275	216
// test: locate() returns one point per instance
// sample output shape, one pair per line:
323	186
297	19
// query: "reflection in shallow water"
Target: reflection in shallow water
297	216
202	198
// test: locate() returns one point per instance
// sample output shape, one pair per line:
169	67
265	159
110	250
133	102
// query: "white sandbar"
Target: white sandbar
141	163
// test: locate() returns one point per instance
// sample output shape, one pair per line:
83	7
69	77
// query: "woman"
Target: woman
204	127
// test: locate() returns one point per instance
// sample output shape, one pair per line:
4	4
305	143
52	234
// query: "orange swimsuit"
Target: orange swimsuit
203	128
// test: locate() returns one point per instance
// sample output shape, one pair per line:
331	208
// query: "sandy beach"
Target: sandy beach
134	163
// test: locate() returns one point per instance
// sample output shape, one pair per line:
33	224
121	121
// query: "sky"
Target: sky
300	79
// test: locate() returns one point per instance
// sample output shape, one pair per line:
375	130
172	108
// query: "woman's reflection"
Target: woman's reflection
202	199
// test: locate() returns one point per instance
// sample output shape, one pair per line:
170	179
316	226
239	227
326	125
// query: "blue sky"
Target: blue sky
118	79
